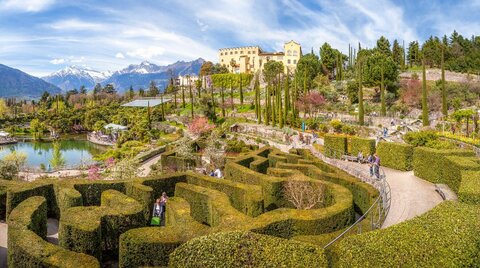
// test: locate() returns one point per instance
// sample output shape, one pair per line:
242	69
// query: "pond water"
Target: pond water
71	153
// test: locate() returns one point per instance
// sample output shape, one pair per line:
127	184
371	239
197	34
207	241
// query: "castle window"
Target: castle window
295	53
289	61
221	53
249	52
222	60
289	53
241	52
231	53
294	61
236	52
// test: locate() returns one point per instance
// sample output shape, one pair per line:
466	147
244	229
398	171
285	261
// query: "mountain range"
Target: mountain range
135	75
15	83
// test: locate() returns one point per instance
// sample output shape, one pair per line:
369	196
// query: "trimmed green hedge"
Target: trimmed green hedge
95	229
24	190
446	236
27	228
398	156
151	246
245	198
366	146
429	164
211	207
469	191
453	167
335	145
246	249
272	187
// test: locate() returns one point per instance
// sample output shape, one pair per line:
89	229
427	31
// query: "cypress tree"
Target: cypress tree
213	103
191	98
273	107
267	104
305	82
361	116
241	89
444	92
183	96
425	120
231	93
175	97
280	110
163	107
294	99
257	100
383	110
287	97
222	93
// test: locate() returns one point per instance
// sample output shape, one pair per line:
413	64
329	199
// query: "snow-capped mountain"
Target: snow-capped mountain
76	76
135	75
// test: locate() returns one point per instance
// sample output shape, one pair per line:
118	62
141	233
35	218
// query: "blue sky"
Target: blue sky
42	36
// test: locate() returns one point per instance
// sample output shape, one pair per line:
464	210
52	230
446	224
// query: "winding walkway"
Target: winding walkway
410	195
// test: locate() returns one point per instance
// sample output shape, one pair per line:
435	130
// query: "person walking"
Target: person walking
370	161
376	165
156	213
163	204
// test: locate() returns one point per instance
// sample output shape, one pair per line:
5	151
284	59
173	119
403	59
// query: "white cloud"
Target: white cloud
76	24
57	61
26	5
203	26
119	56
146	53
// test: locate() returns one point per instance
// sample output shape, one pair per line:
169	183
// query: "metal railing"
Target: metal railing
376	214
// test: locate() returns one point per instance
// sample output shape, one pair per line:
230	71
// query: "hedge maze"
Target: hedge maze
241	220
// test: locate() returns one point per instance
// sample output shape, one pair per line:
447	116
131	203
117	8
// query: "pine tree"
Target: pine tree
424	96
444	92
361	116
383	111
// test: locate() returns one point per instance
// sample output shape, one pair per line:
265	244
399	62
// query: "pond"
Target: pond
61	154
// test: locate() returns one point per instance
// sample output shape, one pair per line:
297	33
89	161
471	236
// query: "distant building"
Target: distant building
183	80
252	58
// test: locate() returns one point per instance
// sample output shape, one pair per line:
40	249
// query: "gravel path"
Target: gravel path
145	169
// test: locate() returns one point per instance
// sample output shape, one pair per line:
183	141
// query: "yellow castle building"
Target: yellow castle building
250	59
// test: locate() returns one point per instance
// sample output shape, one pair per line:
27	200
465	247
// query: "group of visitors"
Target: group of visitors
373	161
158	214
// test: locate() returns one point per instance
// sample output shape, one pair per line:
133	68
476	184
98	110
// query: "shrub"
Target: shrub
366	146
440	145
246	249
398	156
453	167
469	190
94	229
151	246
26	247
446	236
8	170
420	138
335	145
431	164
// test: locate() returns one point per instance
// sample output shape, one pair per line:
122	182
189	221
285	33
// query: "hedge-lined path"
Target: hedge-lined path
52	237
3	244
145	169
411	196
